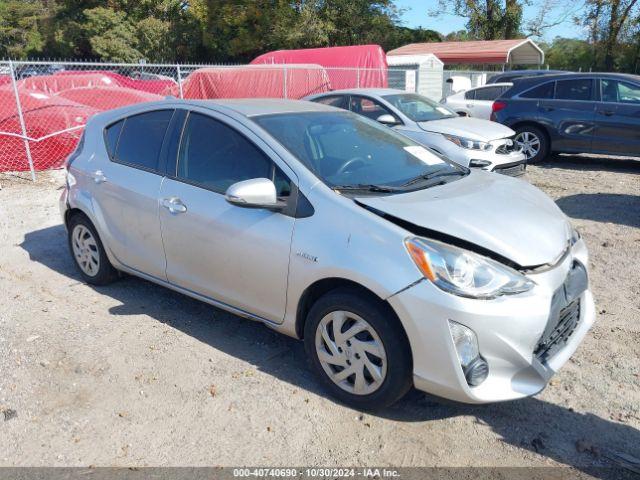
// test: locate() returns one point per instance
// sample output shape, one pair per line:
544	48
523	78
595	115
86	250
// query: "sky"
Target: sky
417	14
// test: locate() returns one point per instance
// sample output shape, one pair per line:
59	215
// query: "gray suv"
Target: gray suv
396	266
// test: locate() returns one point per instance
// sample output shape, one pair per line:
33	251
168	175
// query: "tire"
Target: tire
393	363
88	252
527	135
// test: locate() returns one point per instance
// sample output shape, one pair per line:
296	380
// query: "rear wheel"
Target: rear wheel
533	142
88	252
358	349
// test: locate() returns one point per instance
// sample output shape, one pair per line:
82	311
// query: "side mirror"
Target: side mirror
387	119
254	193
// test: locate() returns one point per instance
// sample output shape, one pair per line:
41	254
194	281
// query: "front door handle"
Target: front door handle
98	176
606	113
174	205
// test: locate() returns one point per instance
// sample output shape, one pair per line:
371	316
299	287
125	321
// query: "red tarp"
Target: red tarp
77	79
43	115
107	98
256	81
348	67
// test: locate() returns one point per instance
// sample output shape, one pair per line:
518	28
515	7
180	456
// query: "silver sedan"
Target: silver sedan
471	142
395	266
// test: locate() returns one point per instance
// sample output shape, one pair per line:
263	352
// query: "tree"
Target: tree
20	34
486	19
111	35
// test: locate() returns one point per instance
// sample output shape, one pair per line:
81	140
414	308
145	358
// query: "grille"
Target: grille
512	170
557	338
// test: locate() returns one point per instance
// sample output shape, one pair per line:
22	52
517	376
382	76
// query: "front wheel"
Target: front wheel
358	349
533	142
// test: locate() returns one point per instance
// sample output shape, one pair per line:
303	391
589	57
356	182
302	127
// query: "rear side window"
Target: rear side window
574	89
141	139
470	95
540	92
216	156
338	101
111	137
488	93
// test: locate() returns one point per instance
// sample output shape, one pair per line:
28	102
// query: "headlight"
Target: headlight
468	143
464	273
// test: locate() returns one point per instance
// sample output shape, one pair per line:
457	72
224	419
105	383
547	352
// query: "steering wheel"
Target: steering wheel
349	163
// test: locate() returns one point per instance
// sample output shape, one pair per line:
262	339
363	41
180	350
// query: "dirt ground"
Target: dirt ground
134	374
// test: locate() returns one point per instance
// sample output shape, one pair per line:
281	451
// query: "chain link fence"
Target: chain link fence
44	105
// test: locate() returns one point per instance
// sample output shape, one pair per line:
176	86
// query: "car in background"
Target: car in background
395	266
573	113
476	102
37	69
511	75
470	142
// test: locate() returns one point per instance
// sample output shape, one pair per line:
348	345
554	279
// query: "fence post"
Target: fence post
179	79
22	124
358	77
284	85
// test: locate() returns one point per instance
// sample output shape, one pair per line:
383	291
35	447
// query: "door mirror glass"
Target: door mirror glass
387	119
253	193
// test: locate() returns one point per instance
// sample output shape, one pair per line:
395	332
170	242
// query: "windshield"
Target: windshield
419	108
346	150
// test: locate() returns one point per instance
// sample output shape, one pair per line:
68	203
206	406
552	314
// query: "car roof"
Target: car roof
250	107
497	84
361	91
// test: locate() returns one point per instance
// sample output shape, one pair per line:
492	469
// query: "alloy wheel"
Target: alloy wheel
85	250
529	143
351	352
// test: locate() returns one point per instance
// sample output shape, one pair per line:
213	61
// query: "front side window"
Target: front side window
337	101
214	155
368	108
419	108
574	89
619	92
346	150
141	139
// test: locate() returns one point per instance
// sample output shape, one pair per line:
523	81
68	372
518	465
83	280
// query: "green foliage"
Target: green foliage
569	54
111	35
20	33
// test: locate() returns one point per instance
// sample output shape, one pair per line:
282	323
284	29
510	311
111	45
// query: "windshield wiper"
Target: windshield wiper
367	188
431	176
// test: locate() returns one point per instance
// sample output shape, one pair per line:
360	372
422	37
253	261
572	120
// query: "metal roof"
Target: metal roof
521	51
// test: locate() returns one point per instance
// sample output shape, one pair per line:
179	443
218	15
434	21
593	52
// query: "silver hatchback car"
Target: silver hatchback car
396	266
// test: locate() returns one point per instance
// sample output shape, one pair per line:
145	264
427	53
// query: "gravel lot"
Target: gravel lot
134	374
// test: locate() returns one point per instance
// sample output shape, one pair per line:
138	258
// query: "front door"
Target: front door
234	255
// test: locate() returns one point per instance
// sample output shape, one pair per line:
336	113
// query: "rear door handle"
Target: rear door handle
98	176
606	113
174	205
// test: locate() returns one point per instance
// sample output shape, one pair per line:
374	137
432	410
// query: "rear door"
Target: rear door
126	190
234	255
618	118
480	105
571	112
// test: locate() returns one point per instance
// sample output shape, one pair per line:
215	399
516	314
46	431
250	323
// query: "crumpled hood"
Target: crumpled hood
504	215
473	128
